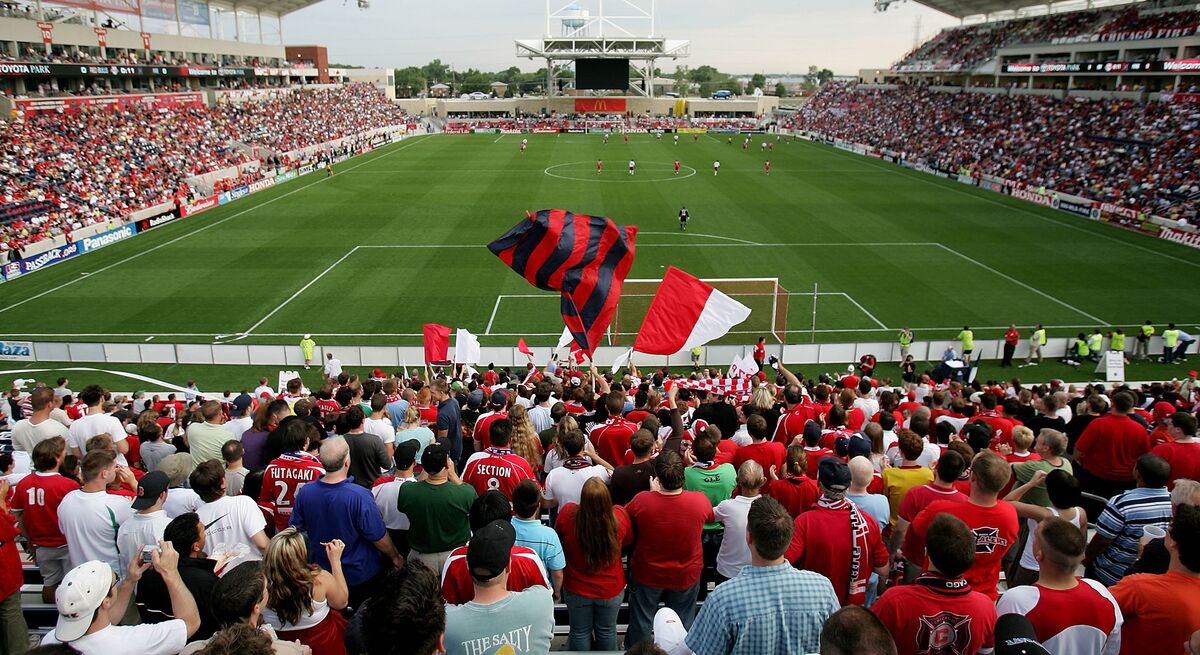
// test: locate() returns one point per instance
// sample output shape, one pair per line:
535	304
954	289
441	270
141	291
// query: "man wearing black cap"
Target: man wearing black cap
437	508
836	539
147	525
522	619
940	613
498	409
239	416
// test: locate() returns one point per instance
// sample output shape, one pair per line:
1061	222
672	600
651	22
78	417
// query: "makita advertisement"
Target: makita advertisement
88	244
1190	239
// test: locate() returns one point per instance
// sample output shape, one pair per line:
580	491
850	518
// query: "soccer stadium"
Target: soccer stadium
623	348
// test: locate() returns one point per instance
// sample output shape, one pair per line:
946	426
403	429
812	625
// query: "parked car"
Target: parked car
722	95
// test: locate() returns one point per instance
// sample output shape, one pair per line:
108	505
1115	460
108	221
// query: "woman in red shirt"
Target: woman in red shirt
592	534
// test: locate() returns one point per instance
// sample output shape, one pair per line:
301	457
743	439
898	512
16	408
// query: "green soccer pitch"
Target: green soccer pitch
397	239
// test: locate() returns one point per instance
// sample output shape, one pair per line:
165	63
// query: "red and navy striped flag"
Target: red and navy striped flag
586	258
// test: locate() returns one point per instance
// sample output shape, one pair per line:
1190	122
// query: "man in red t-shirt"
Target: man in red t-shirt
994	522
285	474
1109	447
497	467
482	429
525	569
794	490
1011	338
1183	454
799	411
667	557
768	454
905	543
35	502
760	352
813	450
611	438
838	540
1001	427
940	613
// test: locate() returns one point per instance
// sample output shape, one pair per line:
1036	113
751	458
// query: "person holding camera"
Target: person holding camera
186	535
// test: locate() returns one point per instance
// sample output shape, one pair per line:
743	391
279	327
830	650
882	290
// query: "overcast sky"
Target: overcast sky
751	36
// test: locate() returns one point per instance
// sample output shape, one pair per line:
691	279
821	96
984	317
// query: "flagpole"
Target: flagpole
814	314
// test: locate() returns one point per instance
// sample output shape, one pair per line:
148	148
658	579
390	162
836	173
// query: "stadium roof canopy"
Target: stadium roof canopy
964	8
271	7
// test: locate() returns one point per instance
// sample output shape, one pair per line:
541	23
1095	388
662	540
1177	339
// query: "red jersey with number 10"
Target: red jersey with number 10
38	496
283	478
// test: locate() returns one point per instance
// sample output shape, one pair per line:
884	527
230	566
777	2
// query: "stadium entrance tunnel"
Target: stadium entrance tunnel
618	172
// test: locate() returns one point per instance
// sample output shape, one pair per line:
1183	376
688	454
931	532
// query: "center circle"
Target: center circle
585	171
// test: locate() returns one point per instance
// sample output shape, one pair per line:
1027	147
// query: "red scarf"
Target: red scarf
859	548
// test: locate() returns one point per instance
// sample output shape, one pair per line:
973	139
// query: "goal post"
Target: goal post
766	298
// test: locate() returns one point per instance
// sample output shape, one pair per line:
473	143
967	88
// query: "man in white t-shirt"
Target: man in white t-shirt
240	419
28	432
386	493
263	388
180	499
333	367
234	526
564	484
90	603
379	426
146	527
97	422
90	517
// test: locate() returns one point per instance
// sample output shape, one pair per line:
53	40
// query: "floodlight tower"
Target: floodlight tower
602	29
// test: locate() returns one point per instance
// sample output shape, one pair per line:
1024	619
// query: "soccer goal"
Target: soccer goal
766	298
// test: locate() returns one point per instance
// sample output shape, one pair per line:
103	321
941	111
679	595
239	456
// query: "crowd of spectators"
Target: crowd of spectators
614	122
399	515
98	165
965	48
1137	155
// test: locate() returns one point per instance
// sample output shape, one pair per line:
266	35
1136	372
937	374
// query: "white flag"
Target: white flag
742	367
621	360
466	348
565	339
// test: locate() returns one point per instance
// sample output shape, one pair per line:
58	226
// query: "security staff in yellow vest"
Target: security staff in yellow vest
1078	351
1116	343
1141	349
906	339
1036	343
1170	340
1095	344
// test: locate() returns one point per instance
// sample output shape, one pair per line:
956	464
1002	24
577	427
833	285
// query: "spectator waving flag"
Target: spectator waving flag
686	313
585	258
437	344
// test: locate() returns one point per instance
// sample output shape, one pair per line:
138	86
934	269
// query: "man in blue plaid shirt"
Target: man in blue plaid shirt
769	608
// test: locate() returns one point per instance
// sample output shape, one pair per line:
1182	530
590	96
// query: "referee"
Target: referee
683	219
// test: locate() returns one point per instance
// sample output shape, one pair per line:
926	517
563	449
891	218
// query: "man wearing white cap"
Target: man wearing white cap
89	600
306	348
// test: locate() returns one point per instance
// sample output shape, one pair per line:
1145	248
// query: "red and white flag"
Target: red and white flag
522	348
686	313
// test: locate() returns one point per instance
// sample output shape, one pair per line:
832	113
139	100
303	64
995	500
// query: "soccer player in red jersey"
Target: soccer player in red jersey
497	467
599	166
940	613
293	469
767	166
677	167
